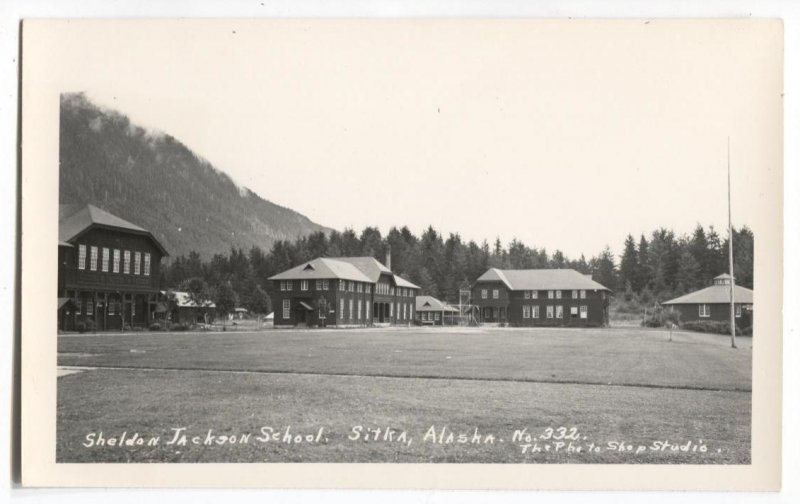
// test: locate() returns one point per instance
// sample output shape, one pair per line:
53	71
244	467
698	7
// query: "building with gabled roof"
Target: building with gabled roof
540	297
108	267
342	291
431	311
714	303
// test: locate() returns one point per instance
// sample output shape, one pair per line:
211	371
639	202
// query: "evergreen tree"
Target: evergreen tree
629	264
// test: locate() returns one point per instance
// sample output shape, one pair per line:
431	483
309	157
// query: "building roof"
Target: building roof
542	279
402	282
323	268
184	300
370	266
715	294
430	303
74	220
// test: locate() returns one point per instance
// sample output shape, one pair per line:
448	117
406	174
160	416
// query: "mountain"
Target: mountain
154	181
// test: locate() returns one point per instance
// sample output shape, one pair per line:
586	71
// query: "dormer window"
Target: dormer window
308	267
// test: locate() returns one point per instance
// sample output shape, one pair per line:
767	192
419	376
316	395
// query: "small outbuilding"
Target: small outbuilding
431	311
186	310
713	303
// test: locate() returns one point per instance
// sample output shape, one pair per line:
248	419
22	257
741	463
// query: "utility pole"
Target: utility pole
730	251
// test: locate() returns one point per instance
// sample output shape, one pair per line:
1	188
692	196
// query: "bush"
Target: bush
155	326
180	327
85	326
126	327
137	328
711	326
662	318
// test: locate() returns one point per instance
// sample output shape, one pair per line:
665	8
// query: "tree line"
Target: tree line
656	267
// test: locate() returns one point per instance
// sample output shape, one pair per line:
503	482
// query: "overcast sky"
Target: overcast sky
565	135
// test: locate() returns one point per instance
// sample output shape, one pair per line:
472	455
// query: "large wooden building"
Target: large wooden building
714	303
343	292
108	271
540	297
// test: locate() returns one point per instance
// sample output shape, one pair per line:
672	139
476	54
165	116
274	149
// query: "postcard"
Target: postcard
417	253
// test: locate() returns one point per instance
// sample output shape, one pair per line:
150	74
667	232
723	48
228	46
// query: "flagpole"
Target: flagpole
730	251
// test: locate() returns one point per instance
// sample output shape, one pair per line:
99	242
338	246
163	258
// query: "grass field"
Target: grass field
685	401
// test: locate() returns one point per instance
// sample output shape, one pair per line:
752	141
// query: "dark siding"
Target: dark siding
720	312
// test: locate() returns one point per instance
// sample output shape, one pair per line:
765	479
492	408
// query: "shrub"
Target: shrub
661	318
711	326
126	327
155	326
137	328
180	327
80	327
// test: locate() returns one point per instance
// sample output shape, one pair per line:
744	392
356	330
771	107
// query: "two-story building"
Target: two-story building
540	297
108	270
343	292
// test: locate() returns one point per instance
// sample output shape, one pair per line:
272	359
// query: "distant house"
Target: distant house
186	310
540	297
431	311
342	291
714	303
108	268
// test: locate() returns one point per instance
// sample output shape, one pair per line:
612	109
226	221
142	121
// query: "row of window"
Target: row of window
347	286
431	316
114	307
555	311
705	310
110	259
534	294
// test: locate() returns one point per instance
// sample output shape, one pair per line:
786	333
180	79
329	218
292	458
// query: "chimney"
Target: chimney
388	261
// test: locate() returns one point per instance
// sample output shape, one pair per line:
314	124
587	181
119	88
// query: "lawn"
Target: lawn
687	401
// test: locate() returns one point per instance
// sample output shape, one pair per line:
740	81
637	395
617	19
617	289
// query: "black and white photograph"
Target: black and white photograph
392	242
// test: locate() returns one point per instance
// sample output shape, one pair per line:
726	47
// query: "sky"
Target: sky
566	135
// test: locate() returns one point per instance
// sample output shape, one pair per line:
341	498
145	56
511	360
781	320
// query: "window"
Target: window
127	262
483	293
405	310
78	303
287	305
495	293
341	309
360	288
93	258
574	294
325	285
81	257
341	285
560	311
137	263
111	306
352	287
549	294
527	294
526	312
147	263
318	285
366	310
584	311
550	310
391	309
90	307
350	309
116	261
289	285
573	312
583	294
368	288
705	310
534	294
303	285
738	310
438	316
535	313
558	294
359	309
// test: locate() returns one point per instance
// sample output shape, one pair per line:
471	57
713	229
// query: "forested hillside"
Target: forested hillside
154	181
